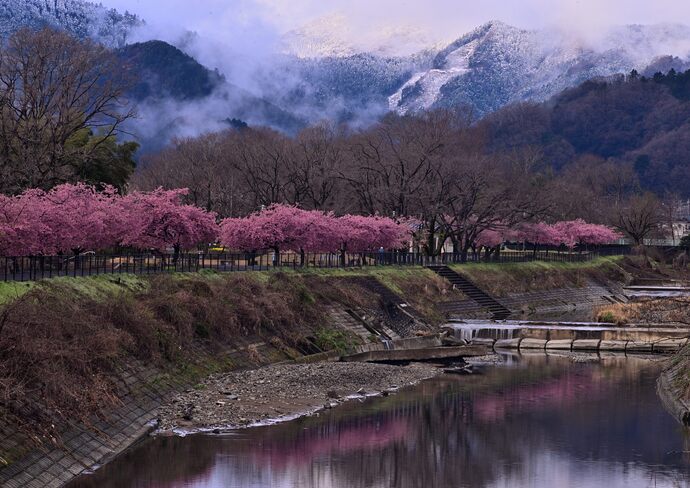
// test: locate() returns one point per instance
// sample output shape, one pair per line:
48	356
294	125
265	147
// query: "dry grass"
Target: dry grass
651	311
65	341
66	347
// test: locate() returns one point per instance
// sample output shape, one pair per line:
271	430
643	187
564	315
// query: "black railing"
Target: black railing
30	268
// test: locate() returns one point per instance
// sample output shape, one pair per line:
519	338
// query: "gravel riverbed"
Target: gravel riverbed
281	391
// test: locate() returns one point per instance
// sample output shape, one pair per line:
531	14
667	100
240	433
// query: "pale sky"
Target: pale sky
442	18
237	35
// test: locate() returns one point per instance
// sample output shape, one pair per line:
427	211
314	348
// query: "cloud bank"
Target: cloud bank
241	38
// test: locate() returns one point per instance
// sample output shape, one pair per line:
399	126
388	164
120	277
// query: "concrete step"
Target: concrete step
479	296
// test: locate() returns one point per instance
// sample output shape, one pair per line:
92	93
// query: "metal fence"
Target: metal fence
31	268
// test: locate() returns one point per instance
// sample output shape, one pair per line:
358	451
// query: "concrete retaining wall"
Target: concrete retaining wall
664	346
580	300
672	397
144	390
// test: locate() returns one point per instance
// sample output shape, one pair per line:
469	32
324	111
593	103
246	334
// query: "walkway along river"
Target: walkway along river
533	420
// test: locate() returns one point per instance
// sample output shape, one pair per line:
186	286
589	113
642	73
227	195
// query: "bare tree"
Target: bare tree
639	217
54	91
316	158
392	163
205	166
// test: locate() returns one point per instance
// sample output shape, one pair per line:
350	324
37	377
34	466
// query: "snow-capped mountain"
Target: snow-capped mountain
334	36
330	69
497	64
81	18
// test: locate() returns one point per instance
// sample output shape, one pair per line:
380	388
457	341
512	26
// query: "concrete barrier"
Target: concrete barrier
669	345
508	343
586	344
612	345
533	344
639	347
560	344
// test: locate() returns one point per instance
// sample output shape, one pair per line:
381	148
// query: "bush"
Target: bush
607	317
334	340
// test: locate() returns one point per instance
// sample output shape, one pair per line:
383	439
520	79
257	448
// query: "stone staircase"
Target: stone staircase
352	321
403	319
480	297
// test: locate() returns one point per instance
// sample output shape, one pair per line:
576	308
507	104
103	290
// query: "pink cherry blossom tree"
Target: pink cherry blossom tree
23	227
369	233
539	234
574	232
490	240
82	218
282	228
159	220
285	227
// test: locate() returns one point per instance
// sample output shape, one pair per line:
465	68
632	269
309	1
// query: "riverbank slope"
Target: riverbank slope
86	362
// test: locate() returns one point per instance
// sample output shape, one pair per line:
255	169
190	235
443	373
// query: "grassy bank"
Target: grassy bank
65	342
505	278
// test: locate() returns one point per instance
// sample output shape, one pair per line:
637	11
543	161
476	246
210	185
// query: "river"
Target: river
532	421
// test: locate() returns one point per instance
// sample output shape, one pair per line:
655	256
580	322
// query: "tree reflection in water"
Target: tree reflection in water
543	422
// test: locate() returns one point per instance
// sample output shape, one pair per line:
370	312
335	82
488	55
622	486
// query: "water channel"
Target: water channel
531	421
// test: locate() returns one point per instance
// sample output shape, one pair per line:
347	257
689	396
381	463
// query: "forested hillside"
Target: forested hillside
638	123
161	70
78	17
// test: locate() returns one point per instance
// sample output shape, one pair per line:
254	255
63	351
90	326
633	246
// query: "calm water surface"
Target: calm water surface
539	422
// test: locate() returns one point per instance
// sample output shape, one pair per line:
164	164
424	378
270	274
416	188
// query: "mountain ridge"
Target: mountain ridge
493	65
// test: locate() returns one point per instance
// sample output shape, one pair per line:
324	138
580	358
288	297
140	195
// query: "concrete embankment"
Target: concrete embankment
673	397
673	386
544	290
663	346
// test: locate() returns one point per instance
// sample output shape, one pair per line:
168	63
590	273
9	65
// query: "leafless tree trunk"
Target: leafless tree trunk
56	92
639	217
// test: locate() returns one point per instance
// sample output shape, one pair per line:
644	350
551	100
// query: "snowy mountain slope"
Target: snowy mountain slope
81	18
497	64
335	36
341	88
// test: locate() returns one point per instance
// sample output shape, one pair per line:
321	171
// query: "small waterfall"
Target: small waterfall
497	333
387	344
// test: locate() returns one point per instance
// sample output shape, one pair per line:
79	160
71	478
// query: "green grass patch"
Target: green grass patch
390	276
533	266
334	340
607	317
98	287
11	290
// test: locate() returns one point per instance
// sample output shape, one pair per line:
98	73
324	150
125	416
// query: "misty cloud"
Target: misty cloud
246	40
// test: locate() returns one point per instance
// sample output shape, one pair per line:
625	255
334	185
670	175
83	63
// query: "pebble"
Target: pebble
286	389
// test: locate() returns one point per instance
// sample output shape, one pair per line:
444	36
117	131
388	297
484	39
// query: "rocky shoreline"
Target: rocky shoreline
280	392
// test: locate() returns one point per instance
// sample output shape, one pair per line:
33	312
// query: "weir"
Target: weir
572	336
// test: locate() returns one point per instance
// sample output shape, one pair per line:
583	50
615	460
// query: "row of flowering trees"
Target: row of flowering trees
287	228
571	233
77	218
